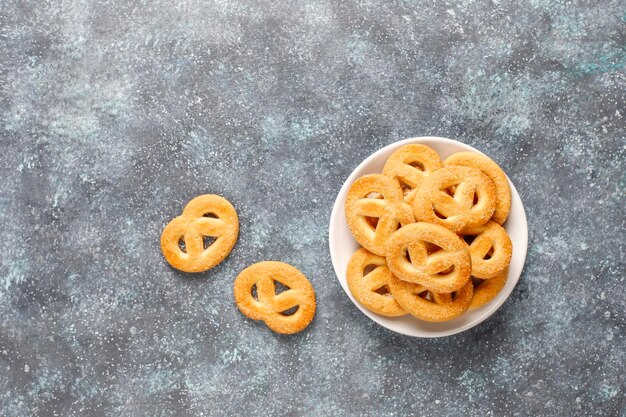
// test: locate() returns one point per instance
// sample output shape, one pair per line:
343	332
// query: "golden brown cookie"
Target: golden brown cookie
430	306
368	279
486	290
455	197
267	305
375	208
494	172
490	248
409	165
184	240
446	269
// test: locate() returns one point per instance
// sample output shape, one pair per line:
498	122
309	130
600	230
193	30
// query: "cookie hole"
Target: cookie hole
418	165
454	296
280	287
489	254
369	268
469	239
375	196
426	295
432	248
254	293
181	245
476	282
439	214
407	256
290	312
475	201
406	188
446	271
384	290
372	221
210	215
450	191
207	241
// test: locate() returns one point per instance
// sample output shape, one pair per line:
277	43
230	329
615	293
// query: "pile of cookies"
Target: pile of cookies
205	234
433	244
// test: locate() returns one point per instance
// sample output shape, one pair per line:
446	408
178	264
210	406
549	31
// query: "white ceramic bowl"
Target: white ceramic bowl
343	245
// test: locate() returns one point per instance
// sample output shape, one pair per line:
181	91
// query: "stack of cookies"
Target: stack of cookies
433	244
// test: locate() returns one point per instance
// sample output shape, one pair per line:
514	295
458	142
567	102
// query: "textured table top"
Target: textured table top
114	114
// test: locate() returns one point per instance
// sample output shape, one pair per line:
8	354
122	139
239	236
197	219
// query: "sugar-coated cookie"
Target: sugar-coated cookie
410	165
446	269
183	239
371	287
428	305
494	172
270	307
491	249
375	208
486	290
455	197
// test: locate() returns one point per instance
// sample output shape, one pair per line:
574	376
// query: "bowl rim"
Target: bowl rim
338	208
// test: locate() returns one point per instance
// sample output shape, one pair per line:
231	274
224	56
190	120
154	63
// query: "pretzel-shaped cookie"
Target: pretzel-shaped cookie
205	216
427	305
494	172
486	290
390	211
409	165
491	249
271	307
371	289
446	270
472	203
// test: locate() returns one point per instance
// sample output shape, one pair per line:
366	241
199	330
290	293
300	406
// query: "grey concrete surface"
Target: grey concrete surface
113	114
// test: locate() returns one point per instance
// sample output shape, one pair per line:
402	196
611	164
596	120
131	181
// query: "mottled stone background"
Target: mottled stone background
113	114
